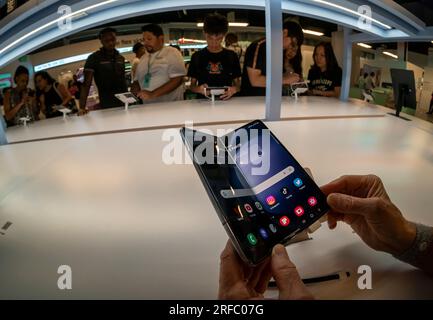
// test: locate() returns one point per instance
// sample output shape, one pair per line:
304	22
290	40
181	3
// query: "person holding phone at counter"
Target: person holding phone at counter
359	201
254	72
325	74
159	75
50	94
215	66
20	101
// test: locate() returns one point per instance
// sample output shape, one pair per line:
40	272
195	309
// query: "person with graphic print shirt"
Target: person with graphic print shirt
325	75
215	66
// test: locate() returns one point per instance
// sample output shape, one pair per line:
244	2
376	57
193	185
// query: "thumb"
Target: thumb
351	205
286	276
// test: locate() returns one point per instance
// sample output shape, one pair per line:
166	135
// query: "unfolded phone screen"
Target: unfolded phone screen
261	193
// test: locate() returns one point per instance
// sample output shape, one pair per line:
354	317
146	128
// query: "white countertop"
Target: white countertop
176	113
132	227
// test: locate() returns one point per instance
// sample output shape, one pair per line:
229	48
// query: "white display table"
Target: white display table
172	114
132	227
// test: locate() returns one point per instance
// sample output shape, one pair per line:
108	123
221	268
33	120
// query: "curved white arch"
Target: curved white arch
46	30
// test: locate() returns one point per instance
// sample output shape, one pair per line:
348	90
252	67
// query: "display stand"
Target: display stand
127	98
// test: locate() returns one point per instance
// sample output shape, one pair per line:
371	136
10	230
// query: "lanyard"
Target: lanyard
147	76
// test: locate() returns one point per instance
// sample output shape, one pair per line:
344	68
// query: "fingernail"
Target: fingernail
279	250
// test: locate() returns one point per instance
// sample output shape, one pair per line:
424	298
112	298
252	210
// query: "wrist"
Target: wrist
406	239
420	244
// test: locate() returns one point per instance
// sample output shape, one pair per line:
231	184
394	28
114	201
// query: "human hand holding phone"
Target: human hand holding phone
363	203
240	281
291	78
229	93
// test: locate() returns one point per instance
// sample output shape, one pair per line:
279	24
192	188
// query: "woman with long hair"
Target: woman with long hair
51	94
325	74
20	101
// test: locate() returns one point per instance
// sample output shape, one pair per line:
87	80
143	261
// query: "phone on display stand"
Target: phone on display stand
127	98
213	92
261	194
298	88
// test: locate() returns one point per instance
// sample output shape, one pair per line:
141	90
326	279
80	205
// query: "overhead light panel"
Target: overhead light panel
238	24
183	40
390	54
314	33
72	59
364	45
53	22
330	4
231	24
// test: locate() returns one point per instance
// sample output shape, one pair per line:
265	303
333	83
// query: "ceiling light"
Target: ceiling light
314	33
364	45
183	40
390	54
72	59
231	24
61	18
238	24
354	12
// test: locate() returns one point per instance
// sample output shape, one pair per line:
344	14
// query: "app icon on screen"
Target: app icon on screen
271	200
252	239
273	228
299	211
258	205
263	233
248	208
285	191
312	201
284	221
298	182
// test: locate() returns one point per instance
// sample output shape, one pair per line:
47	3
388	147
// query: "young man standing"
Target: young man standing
139	50
159	75
107	66
215	66
254	72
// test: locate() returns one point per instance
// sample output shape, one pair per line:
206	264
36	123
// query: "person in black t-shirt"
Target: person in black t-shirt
254	72
51	94
325	75
215	66
107	67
